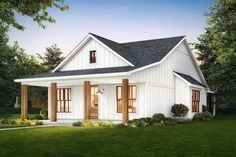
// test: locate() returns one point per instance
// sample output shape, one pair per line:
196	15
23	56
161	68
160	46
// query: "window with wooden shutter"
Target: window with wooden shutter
131	98
64	100
195	100
92	56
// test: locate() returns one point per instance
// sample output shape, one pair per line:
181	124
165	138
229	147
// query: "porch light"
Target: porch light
100	91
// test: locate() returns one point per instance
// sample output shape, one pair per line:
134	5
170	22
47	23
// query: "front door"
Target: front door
94	102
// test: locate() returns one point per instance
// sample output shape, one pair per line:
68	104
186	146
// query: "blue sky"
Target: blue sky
119	20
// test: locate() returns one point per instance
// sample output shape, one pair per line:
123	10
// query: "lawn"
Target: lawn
216	138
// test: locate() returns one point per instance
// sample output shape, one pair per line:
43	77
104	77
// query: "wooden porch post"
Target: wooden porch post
87	100
53	102
24	102
124	96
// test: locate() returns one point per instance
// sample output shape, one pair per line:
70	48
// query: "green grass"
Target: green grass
14	116
216	139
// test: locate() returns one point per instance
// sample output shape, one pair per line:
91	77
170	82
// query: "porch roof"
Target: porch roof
81	72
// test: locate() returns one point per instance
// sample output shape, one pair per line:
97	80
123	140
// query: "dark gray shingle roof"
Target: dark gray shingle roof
83	72
190	79
139	53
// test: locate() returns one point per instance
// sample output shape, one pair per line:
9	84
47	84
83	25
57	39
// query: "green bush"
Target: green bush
20	122
203	117
170	121
136	123
37	117
101	124
105	124
44	113
120	125
147	120
77	123
179	110
158	119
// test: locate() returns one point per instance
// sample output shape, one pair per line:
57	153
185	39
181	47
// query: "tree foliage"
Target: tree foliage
36	9
51	58
218	51
14	63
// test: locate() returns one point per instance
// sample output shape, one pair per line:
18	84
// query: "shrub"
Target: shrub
120	125
147	120
44	113
37	117
77	123
170	121
202	117
179	110
102	124
136	123
28	122
158	119
105	124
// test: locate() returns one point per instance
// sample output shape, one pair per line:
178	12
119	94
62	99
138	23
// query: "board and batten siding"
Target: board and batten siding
77	104
104	58
160	81
107	105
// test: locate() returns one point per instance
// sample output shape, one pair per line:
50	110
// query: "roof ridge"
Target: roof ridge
182	36
103	37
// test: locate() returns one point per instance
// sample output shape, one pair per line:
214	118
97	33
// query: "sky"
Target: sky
118	20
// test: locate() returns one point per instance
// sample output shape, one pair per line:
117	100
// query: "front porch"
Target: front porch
81	98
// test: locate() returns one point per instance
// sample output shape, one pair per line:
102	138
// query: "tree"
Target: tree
14	63
222	24
36	9
218	52
51	58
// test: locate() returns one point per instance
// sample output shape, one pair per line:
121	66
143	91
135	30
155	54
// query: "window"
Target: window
92	57
131	98
195	100
64	100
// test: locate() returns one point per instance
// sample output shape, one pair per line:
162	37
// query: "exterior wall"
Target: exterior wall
158	99
160	82
77	104
107	105
104	58
157	87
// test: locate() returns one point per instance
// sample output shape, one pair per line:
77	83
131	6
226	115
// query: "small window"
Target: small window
195	100
131	98
92	57
64	100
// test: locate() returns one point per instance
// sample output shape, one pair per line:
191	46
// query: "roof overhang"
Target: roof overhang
187	82
108	78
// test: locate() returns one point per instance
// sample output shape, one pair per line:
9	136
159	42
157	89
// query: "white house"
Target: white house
105	80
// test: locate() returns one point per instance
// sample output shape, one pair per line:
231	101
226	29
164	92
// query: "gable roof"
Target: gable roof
142	53
189	79
138	53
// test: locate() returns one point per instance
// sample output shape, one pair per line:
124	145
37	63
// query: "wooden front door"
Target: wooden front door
94	102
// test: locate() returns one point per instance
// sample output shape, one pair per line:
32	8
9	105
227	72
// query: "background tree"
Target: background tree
51	58
218	51
36	9
14	62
